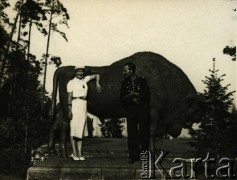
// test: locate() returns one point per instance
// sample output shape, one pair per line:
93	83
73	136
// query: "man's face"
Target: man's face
127	73
80	74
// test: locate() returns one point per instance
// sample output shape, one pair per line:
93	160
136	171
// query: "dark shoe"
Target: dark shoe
133	160
53	153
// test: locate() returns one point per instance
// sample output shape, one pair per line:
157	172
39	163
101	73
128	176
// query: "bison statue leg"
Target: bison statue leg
155	134
60	124
51	145
63	134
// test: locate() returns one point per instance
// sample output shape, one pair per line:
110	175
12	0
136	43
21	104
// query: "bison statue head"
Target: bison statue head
189	111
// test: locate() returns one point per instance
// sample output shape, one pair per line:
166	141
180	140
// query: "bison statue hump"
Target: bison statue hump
174	101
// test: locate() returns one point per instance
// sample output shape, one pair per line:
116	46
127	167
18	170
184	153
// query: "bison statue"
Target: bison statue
175	104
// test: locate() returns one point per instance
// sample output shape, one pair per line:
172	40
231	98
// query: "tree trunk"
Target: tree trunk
12	86
26	128
29	38
4	61
47	50
26	99
19	30
46	57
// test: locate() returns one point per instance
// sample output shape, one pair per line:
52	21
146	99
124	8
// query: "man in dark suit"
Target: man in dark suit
135	98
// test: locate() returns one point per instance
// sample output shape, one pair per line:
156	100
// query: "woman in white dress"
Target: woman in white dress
77	107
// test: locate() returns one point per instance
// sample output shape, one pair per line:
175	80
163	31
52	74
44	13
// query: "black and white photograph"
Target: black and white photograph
118	89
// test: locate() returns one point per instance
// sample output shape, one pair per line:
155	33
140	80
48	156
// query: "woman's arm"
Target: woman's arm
97	78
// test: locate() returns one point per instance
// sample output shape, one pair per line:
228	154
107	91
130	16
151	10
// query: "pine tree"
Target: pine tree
214	133
24	125
20	131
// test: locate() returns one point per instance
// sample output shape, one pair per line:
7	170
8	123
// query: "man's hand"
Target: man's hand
136	100
132	94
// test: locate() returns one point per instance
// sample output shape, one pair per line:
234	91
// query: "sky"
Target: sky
189	33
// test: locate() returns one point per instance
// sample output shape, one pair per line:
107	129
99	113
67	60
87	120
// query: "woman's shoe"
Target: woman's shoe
82	159
74	158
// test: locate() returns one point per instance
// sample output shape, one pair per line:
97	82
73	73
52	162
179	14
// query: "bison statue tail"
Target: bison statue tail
54	96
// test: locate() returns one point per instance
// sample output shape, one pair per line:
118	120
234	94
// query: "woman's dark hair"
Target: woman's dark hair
131	66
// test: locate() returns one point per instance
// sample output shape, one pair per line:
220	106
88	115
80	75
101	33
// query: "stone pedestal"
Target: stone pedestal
93	168
105	159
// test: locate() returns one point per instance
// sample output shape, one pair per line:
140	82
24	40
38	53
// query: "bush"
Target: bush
111	128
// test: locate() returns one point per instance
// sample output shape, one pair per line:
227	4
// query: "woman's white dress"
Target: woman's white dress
79	106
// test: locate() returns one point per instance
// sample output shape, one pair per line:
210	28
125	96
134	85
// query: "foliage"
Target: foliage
111	128
231	51
58	12
32	12
38	12
3	16
215	133
23	102
23	124
55	9
4	37
56	60
230	135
